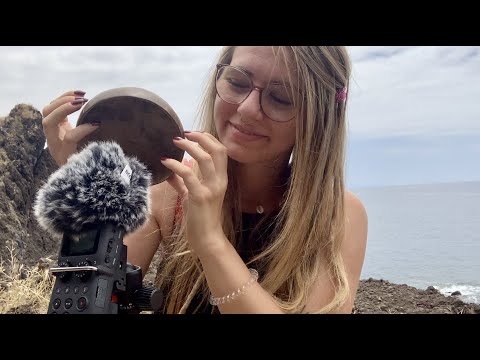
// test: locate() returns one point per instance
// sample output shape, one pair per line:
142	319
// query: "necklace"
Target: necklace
260	209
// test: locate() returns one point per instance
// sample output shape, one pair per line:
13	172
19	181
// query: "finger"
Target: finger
177	183
213	146
75	135
71	93
204	160
60	110
62	99
189	178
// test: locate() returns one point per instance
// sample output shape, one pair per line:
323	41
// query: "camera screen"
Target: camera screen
85	243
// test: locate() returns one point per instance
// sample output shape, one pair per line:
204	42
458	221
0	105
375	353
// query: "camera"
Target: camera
93	276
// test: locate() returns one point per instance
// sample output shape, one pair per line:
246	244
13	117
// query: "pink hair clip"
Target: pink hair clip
341	95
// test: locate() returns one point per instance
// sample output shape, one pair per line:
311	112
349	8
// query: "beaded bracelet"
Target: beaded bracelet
227	298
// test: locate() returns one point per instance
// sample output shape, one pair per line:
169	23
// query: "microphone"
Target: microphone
93	200
97	185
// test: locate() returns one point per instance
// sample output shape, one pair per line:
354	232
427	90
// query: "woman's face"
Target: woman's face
249	135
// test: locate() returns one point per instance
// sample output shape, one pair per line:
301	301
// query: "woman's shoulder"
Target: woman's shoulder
353	202
164	202
356	226
355	211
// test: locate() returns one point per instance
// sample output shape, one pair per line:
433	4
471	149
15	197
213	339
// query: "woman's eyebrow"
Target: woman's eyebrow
274	82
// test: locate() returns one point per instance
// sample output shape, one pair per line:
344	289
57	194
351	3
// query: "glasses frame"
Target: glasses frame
252	88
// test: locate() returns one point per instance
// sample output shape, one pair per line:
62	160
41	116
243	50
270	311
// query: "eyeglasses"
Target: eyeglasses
233	85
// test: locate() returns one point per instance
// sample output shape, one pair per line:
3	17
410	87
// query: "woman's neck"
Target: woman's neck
262	184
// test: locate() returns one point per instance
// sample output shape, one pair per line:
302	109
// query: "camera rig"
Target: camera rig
93	276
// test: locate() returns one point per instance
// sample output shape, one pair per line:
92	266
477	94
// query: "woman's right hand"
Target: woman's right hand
62	139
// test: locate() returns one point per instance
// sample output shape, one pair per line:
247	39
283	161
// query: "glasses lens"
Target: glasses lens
278	102
233	86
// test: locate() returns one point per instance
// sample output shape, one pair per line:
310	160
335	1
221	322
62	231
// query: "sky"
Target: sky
413	115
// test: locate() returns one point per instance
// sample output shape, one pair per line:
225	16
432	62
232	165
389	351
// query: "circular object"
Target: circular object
141	122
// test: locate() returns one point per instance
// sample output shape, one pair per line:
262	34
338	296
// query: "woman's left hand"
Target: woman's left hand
202	197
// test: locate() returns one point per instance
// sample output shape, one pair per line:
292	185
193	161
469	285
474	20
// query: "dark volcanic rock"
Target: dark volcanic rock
24	166
384	297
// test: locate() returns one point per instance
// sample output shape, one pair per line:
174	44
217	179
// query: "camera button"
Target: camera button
81	303
56	303
75	290
68	303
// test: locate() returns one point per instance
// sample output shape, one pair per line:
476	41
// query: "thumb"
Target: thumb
78	133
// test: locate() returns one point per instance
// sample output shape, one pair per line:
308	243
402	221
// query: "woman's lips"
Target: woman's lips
244	133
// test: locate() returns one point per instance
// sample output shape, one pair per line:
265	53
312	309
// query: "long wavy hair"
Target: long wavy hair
309	227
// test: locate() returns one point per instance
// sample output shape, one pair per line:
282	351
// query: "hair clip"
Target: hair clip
341	95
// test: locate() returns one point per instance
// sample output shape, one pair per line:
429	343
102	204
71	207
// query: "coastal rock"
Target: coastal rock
383	297
24	166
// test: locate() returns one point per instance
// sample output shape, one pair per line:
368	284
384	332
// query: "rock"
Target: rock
404	299
456	293
24	166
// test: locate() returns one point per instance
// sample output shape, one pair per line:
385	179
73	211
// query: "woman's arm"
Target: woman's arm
226	272
203	198
143	243
353	254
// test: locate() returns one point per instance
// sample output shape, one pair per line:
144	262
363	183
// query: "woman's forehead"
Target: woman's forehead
264	61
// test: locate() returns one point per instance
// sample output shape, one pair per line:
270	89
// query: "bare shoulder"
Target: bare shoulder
356	231
352	249
356	224
163	200
354	208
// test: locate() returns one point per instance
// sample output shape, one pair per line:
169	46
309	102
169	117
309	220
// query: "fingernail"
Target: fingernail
78	101
163	158
79	92
95	124
177	138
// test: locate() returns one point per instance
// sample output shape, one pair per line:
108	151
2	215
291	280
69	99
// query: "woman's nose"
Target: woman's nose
251	107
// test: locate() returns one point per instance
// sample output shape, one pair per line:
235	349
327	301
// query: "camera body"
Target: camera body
91	272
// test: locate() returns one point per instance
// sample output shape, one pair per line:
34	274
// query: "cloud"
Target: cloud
37	75
396	90
413	113
414	90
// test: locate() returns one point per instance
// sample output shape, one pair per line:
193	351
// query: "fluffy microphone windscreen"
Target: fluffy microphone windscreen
99	184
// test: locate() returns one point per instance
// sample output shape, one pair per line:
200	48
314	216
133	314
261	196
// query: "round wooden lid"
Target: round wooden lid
141	122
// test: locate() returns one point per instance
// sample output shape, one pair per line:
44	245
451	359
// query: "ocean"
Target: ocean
425	235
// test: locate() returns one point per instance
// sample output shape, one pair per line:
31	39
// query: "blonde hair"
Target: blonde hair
309	228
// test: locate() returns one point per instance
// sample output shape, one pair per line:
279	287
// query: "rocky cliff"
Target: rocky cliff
24	166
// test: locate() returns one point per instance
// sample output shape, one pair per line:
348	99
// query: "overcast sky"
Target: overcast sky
413	112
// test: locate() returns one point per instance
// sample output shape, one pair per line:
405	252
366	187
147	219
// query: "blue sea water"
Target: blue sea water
425	235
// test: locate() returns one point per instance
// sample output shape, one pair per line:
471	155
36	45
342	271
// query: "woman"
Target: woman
260	222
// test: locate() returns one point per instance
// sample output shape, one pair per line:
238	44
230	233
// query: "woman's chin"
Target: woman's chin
240	156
